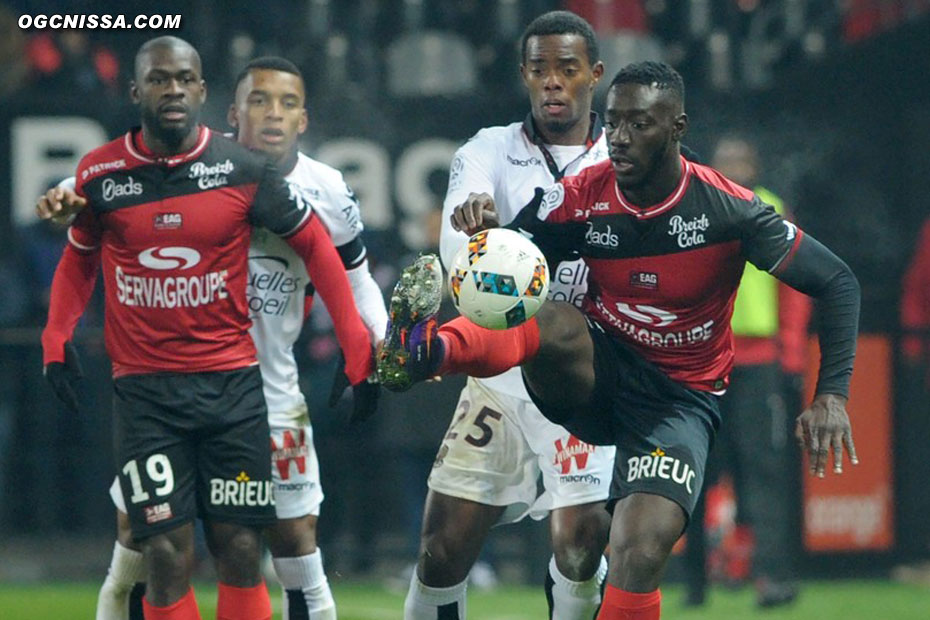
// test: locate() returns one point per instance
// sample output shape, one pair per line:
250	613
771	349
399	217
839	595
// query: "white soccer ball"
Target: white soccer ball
498	279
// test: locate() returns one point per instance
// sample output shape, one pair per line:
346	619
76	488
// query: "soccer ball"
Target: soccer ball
498	279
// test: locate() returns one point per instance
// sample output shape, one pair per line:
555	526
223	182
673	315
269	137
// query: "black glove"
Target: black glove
364	395
64	377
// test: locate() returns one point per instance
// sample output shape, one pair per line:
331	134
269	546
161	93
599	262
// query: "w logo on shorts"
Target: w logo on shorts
574	450
290	450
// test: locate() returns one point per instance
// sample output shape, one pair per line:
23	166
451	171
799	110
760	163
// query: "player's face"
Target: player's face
169	92
643	125
269	111
560	80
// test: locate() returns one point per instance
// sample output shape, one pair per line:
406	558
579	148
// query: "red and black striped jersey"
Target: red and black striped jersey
663	278
173	235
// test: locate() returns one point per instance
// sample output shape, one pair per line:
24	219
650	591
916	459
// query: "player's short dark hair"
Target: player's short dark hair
272	63
651	73
164	42
561	22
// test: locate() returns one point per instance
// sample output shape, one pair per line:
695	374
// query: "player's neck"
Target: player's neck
660	186
287	162
575	135
161	147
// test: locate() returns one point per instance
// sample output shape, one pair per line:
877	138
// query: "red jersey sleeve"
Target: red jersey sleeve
72	286
915	298
314	245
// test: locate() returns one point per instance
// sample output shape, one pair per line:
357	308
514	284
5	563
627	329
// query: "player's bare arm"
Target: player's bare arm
477	213
823	426
59	203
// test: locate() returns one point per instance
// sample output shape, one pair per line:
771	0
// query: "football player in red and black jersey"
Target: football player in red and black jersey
642	364
169	212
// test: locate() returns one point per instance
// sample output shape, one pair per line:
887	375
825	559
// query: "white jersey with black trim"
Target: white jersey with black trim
506	163
278	280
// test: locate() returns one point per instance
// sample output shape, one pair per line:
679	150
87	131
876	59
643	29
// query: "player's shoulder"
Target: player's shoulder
591	177
309	172
224	148
717	183
108	157
492	139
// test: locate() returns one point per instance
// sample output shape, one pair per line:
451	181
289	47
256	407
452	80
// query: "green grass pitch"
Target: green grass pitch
833	600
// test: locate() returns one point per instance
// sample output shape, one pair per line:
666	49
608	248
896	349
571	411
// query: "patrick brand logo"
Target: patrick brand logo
657	464
111	189
169	258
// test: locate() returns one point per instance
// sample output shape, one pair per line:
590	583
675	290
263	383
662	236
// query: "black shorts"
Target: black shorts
663	431
193	444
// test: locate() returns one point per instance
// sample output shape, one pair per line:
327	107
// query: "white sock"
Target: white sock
575	600
126	568
305	586
424	602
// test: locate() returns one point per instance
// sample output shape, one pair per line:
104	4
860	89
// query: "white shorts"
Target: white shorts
497	447
295	469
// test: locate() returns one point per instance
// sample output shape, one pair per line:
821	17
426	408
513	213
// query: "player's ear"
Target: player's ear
203	91
133	92
680	128
302	124
598	72
232	116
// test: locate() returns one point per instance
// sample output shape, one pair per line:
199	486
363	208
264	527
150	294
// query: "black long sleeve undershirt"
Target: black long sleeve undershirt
821	274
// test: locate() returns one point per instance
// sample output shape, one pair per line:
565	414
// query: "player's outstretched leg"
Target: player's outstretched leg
411	349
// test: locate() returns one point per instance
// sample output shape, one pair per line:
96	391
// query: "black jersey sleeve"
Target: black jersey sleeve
767	238
772	243
277	206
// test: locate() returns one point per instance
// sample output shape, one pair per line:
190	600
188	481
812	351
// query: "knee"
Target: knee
238	556
579	546
243	545
561	327
643	555
166	554
291	538
442	561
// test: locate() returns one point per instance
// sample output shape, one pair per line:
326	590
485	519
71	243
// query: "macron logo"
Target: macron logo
169	258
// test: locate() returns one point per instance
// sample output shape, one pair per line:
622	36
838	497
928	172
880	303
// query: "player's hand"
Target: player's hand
477	213
822	426
364	394
365	399
65	376
58	204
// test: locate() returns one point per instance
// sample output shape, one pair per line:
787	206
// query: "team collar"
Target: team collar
670	201
137	148
594	134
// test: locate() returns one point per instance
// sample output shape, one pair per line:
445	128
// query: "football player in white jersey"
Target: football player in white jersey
499	443
269	115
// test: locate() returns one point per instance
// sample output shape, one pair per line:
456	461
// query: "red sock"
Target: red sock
183	609
243	603
480	352
622	605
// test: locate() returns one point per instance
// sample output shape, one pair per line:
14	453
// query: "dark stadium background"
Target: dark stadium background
835	93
